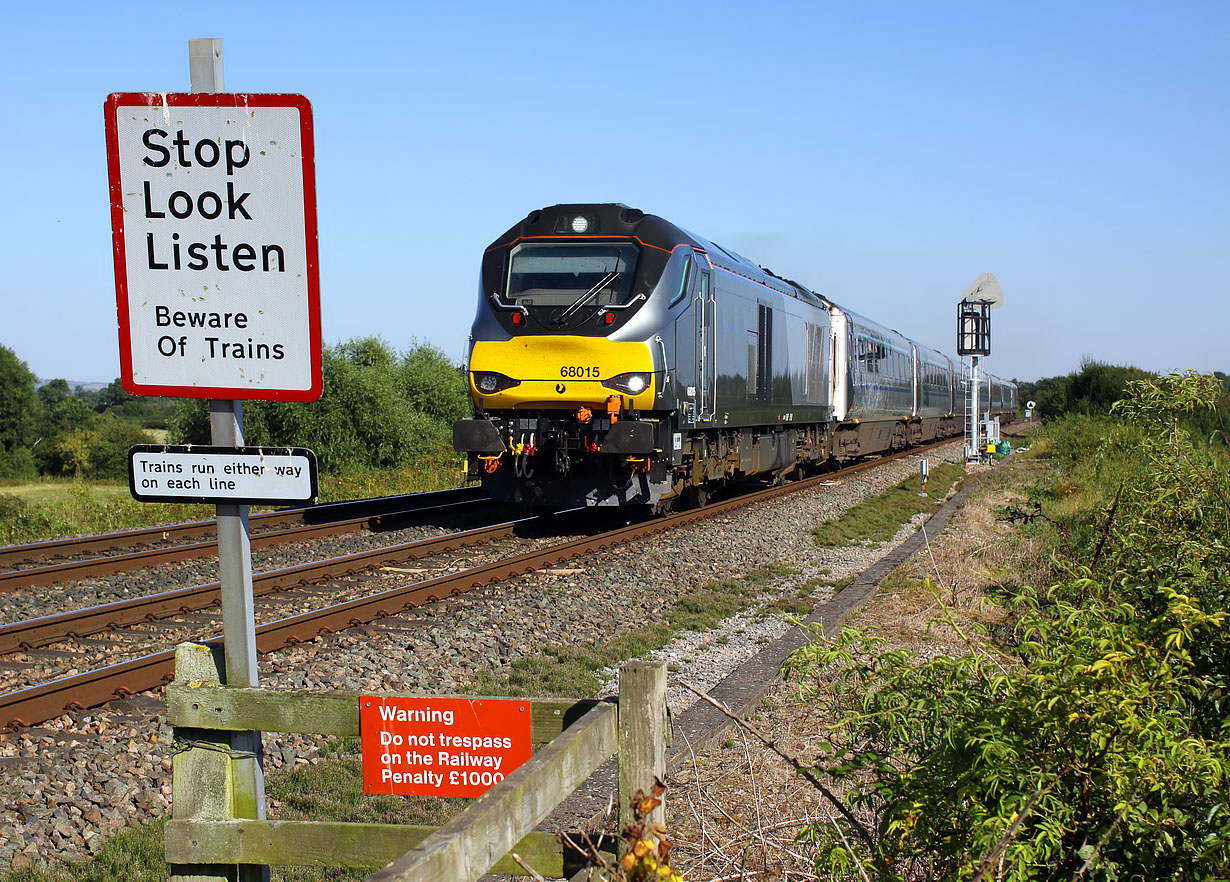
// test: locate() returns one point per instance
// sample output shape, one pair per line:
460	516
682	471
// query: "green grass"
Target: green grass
52	507
572	670
332	790
133	854
879	517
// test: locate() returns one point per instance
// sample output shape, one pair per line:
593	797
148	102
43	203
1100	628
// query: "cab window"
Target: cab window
686	283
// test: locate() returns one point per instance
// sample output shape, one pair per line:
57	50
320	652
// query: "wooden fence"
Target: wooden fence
217	832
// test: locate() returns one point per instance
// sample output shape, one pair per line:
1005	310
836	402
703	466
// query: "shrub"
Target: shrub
1096	743
107	448
17	463
10	506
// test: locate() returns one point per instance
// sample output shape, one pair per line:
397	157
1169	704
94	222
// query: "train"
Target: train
618	359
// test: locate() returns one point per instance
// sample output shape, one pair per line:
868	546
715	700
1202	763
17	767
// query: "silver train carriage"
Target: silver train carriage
617	359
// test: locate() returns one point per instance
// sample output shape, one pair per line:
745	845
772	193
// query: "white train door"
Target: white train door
840	364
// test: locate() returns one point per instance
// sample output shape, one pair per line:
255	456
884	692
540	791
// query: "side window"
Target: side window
687	281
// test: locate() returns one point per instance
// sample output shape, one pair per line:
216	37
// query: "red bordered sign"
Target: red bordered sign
213	217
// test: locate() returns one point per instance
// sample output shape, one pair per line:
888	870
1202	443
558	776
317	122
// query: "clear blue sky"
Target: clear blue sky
884	154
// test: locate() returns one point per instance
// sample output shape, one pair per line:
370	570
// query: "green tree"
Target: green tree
1090	390
20	412
114	395
378	409
434	385
62	411
67	454
107	447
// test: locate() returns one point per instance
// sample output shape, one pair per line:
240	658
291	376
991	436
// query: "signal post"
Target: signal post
974	340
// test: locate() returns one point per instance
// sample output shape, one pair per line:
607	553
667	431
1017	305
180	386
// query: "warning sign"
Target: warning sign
213	215
441	746
238	475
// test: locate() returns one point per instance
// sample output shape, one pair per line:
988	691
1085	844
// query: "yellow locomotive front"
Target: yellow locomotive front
569	400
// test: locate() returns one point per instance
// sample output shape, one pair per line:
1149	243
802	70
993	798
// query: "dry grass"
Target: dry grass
736	812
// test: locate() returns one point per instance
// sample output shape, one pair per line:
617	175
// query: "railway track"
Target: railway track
25	566
43	701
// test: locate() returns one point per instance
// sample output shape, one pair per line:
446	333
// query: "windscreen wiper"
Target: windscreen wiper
606	280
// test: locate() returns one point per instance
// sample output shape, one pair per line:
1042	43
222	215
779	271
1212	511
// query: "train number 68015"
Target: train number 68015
576	371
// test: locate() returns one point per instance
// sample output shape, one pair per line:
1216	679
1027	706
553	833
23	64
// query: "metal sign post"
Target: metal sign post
213	218
234	546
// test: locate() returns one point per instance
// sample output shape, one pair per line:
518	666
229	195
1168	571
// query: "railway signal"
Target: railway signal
974	340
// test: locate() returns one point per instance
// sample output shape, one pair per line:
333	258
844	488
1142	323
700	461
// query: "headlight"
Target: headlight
633	384
490	382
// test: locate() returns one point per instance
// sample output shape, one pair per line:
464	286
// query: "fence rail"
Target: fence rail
218	832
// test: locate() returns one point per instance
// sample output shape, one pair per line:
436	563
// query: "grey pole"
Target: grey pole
234	543
976	450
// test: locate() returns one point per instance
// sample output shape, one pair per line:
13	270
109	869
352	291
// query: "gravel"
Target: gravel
79	778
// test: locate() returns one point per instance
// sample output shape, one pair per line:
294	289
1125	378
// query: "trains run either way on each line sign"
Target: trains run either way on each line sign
617	359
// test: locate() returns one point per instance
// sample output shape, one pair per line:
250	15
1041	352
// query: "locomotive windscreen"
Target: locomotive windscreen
575	277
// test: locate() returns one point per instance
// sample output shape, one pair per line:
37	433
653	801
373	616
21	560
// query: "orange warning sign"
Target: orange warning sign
441	746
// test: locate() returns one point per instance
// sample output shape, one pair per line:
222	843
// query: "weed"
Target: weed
878	518
572	670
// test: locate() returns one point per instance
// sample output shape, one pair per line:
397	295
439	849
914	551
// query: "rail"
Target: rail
34	704
320	516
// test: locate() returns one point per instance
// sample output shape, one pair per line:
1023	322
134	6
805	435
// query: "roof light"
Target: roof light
580	224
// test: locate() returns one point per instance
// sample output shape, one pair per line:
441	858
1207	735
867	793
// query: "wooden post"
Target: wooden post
643	734
201	773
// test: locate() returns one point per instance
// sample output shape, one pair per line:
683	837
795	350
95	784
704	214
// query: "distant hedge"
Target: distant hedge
379	408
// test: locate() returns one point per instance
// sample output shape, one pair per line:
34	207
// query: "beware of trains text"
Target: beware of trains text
213	219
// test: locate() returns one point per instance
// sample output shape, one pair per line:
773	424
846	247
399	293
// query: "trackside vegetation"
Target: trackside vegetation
877	518
1088	735
379	409
381	427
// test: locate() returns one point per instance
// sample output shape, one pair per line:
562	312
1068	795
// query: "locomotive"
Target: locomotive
617	359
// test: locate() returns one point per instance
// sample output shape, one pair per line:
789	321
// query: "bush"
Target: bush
1074	438
17	463
107	448
11	506
377	409
64	455
434	385
1094	743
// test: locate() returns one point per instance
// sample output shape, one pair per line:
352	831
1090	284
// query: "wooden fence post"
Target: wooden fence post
643	734
201	771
